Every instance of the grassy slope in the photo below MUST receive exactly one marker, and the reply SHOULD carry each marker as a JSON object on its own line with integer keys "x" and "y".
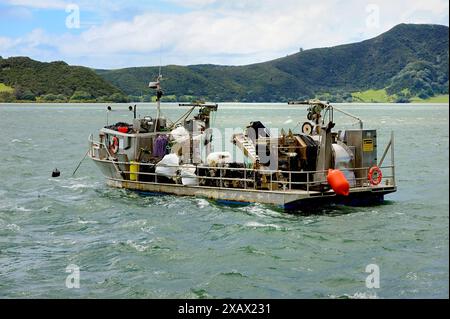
{"x": 5, "y": 88}
{"x": 443, "y": 98}
{"x": 372, "y": 96}
{"x": 381, "y": 96}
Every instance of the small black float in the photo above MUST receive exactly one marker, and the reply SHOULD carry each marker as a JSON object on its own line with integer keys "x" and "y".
{"x": 56, "y": 173}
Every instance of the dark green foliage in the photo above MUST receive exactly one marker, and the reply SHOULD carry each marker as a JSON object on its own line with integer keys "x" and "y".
{"x": 23, "y": 94}
{"x": 80, "y": 95}
{"x": 118, "y": 98}
{"x": 33, "y": 79}
{"x": 49, "y": 97}
{"x": 402, "y": 99}
{"x": 423, "y": 79}
{"x": 386, "y": 61}
{"x": 7, "y": 97}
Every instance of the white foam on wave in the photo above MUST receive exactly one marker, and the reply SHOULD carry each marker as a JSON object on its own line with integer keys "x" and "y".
{"x": 202, "y": 203}
{"x": 288, "y": 121}
{"x": 358, "y": 295}
{"x": 139, "y": 223}
{"x": 309, "y": 220}
{"x": 16, "y": 140}
{"x": 261, "y": 211}
{"x": 411, "y": 275}
{"x": 13, "y": 227}
{"x": 78, "y": 186}
{"x": 44, "y": 209}
{"x": 148, "y": 229}
{"x": 137, "y": 246}
{"x": 87, "y": 222}
{"x": 256, "y": 225}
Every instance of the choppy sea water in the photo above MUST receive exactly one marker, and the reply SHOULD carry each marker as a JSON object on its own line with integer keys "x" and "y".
{"x": 132, "y": 246}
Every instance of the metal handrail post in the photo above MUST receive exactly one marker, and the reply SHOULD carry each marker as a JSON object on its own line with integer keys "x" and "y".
{"x": 392, "y": 157}
{"x": 245, "y": 179}
{"x": 290, "y": 180}
{"x": 307, "y": 183}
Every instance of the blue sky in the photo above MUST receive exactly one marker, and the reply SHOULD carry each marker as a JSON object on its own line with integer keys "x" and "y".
{"x": 117, "y": 33}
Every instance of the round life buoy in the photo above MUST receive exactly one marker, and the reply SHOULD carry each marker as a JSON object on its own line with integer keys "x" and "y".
{"x": 114, "y": 146}
{"x": 375, "y": 175}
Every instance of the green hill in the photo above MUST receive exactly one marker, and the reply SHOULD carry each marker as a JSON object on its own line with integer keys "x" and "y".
{"x": 409, "y": 61}
{"x": 30, "y": 80}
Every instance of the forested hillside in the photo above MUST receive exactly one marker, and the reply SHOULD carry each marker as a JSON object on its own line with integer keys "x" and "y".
{"x": 405, "y": 62}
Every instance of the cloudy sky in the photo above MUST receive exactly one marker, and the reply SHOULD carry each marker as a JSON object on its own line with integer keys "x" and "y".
{"x": 119, "y": 33}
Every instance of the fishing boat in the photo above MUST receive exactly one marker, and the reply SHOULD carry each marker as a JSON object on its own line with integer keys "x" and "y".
{"x": 293, "y": 170}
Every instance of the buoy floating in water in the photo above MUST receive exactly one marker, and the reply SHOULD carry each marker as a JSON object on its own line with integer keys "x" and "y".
{"x": 56, "y": 173}
{"x": 338, "y": 182}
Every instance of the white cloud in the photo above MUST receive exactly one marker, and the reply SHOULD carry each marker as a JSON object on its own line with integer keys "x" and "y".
{"x": 40, "y": 4}
{"x": 35, "y": 44}
{"x": 265, "y": 32}
{"x": 228, "y": 32}
{"x": 193, "y": 3}
{"x": 5, "y": 43}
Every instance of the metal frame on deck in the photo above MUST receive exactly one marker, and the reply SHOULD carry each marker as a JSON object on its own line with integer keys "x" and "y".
{"x": 250, "y": 175}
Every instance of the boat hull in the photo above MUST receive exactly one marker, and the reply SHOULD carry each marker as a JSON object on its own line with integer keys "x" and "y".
{"x": 288, "y": 200}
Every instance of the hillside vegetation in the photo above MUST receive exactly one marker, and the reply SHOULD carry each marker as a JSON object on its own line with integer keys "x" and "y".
{"x": 31, "y": 80}
{"x": 407, "y": 61}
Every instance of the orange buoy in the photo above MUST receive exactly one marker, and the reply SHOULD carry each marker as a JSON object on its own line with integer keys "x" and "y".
{"x": 338, "y": 182}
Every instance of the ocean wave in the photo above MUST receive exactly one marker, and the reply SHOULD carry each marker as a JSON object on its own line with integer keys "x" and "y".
{"x": 78, "y": 186}
{"x": 138, "y": 247}
{"x": 202, "y": 203}
{"x": 87, "y": 222}
{"x": 148, "y": 229}
{"x": 22, "y": 209}
{"x": 12, "y": 227}
{"x": 262, "y": 211}
{"x": 252, "y": 250}
{"x": 257, "y": 225}
{"x": 357, "y": 295}
{"x": 139, "y": 223}
{"x": 233, "y": 273}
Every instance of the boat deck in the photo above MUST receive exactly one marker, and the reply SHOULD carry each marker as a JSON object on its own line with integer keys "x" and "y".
{"x": 286, "y": 189}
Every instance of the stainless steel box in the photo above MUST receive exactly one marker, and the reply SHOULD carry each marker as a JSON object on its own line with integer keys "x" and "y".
{"x": 365, "y": 146}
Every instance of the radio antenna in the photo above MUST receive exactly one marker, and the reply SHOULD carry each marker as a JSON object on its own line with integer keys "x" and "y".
{"x": 156, "y": 85}
{"x": 160, "y": 59}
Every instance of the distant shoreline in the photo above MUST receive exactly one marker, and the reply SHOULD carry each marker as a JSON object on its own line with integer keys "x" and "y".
{"x": 369, "y": 99}
{"x": 249, "y": 103}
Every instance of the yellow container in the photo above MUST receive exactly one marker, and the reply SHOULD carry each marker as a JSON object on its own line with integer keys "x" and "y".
{"x": 134, "y": 170}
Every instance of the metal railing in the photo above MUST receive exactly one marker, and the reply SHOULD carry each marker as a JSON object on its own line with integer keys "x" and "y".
{"x": 248, "y": 178}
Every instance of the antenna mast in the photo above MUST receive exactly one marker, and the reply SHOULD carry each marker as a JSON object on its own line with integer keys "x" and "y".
{"x": 159, "y": 93}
